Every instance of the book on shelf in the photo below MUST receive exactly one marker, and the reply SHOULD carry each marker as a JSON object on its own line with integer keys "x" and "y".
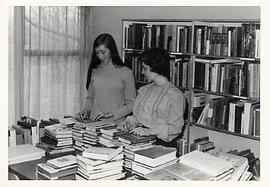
{"x": 102, "y": 153}
{"x": 155, "y": 156}
{"x": 202, "y": 161}
{"x": 227, "y": 39}
{"x": 24, "y": 153}
{"x": 230, "y": 114}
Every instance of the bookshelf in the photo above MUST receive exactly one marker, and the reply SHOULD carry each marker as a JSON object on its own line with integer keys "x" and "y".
{"x": 215, "y": 60}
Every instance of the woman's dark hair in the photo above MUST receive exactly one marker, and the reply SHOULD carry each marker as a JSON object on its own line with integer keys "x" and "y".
{"x": 108, "y": 41}
{"x": 159, "y": 61}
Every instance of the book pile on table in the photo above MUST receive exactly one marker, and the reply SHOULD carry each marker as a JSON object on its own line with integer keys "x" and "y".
{"x": 61, "y": 168}
{"x": 132, "y": 143}
{"x": 78, "y": 131}
{"x": 92, "y": 132}
{"x": 202, "y": 144}
{"x": 195, "y": 165}
{"x": 109, "y": 136}
{"x": 57, "y": 140}
{"x": 153, "y": 158}
{"x": 100, "y": 163}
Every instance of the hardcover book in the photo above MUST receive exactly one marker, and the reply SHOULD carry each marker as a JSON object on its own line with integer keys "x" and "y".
{"x": 101, "y": 153}
{"x": 52, "y": 172}
{"x": 155, "y": 156}
{"x": 135, "y": 139}
{"x": 63, "y": 161}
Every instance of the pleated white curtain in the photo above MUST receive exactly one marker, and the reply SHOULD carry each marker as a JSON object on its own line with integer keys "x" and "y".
{"x": 47, "y": 61}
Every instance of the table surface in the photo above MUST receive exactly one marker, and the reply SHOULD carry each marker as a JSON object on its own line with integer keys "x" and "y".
{"x": 26, "y": 170}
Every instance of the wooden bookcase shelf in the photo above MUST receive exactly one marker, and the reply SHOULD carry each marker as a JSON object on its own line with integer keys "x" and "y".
{"x": 226, "y": 95}
{"x": 226, "y": 132}
{"x": 187, "y": 41}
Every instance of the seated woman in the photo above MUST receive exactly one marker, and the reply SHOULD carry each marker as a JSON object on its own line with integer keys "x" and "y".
{"x": 159, "y": 106}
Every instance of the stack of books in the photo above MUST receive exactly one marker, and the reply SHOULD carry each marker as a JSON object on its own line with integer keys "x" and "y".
{"x": 202, "y": 144}
{"x": 132, "y": 143}
{"x": 78, "y": 131}
{"x": 153, "y": 158}
{"x": 195, "y": 165}
{"x": 92, "y": 132}
{"x": 61, "y": 168}
{"x": 57, "y": 140}
{"x": 109, "y": 136}
{"x": 23, "y": 153}
{"x": 100, "y": 163}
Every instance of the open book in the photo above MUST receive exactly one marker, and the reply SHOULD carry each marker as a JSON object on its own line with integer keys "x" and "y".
{"x": 206, "y": 162}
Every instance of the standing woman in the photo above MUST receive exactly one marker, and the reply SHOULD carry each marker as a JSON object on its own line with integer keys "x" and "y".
{"x": 110, "y": 84}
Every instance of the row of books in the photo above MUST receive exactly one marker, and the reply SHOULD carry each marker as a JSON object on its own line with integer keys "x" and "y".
{"x": 202, "y": 144}
{"x": 238, "y": 39}
{"x": 133, "y": 61}
{"x": 221, "y": 39}
{"x": 179, "y": 72}
{"x": 234, "y": 115}
{"x": 227, "y": 76}
{"x": 175, "y": 38}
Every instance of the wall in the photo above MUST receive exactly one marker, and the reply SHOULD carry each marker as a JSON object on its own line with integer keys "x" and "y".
{"x": 109, "y": 19}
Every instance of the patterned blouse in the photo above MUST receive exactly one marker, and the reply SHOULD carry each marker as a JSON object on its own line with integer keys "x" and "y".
{"x": 161, "y": 109}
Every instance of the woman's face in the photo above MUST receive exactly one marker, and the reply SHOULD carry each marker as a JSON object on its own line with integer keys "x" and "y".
{"x": 103, "y": 53}
{"x": 148, "y": 74}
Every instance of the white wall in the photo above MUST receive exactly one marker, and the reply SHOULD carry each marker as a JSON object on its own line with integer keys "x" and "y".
{"x": 109, "y": 20}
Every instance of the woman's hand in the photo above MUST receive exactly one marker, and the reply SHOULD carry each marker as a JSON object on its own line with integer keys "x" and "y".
{"x": 141, "y": 131}
{"x": 83, "y": 115}
{"x": 125, "y": 126}
{"x": 101, "y": 115}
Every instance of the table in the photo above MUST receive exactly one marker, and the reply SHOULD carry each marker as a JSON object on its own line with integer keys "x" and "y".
{"x": 26, "y": 170}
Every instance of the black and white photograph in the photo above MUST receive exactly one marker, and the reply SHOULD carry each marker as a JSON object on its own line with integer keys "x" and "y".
{"x": 135, "y": 93}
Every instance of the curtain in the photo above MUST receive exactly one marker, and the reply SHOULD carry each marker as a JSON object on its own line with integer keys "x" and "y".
{"x": 48, "y": 61}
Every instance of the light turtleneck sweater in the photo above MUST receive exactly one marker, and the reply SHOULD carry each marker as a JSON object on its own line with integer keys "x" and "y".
{"x": 112, "y": 90}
